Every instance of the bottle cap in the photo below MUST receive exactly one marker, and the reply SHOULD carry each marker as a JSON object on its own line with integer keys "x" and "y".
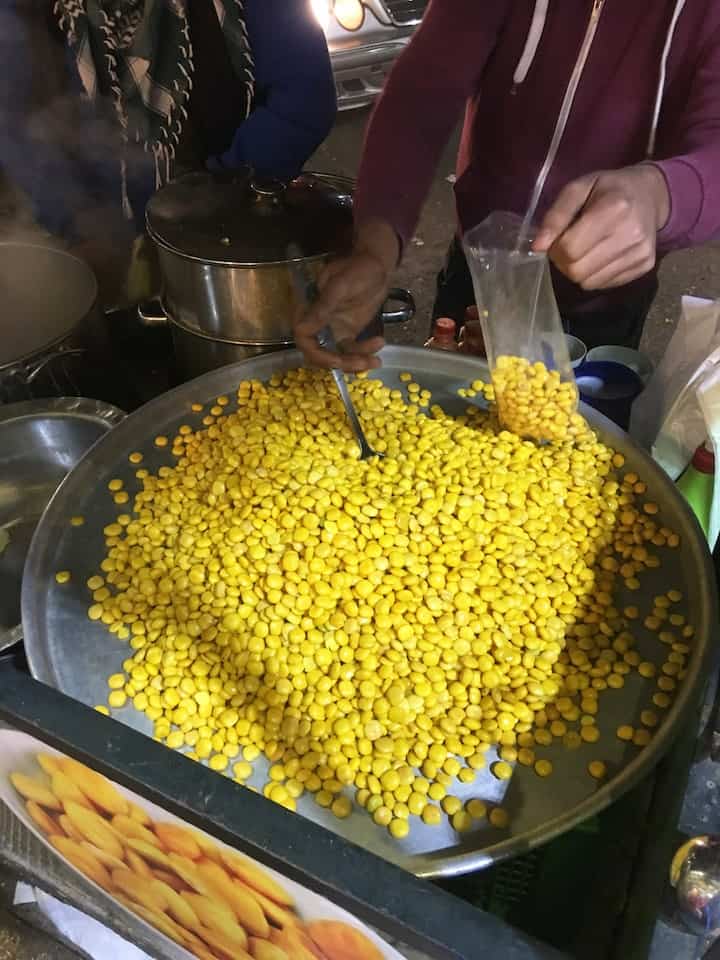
{"x": 704, "y": 460}
{"x": 445, "y": 327}
{"x": 472, "y": 313}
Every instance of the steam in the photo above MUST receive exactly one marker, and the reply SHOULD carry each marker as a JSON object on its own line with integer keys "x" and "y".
{"x": 56, "y": 148}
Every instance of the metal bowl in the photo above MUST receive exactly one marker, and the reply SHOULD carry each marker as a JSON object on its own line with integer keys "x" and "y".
{"x": 40, "y": 441}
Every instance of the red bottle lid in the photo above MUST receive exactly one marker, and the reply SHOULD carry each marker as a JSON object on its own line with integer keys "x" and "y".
{"x": 444, "y": 327}
{"x": 703, "y": 460}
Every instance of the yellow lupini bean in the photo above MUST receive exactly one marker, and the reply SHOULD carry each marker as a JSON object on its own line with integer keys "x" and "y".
{"x": 476, "y": 808}
{"x": 342, "y": 807}
{"x": 461, "y": 821}
{"x": 501, "y": 770}
{"x": 543, "y": 768}
{"x": 499, "y": 818}
{"x": 432, "y": 815}
{"x": 597, "y": 769}
{"x": 372, "y": 624}
{"x": 642, "y": 737}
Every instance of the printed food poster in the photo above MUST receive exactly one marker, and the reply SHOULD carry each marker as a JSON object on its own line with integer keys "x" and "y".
{"x": 210, "y": 900}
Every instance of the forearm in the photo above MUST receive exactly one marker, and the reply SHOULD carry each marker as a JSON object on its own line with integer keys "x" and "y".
{"x": 379, "y": 239}
{"x": 422, "y": 102}
{"x": 274, "y": 145}
{"x": 693, "y": 188}
{"x": 691, "y": 160}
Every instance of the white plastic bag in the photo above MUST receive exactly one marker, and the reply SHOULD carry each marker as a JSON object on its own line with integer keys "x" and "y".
{"x": 666, "y": 417}
{"x": 680, "y": 409}
{"x": 685, "y": 426}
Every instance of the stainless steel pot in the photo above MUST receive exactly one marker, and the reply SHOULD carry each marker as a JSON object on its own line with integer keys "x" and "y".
{"x": 40, "y": 441}
{"x": 49, "y": 318}
{"x": 222, "y": 242}
{"x": 196, "y": 354}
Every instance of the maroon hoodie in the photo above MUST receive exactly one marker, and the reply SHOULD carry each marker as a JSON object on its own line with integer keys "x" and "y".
{"x": 508, "y": 63}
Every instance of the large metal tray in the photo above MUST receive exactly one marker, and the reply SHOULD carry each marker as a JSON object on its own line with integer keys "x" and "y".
{"x": 67, "y": 650}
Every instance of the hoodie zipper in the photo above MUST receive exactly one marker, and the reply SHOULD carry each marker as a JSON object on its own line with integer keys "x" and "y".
{"x": 566, "y": 107}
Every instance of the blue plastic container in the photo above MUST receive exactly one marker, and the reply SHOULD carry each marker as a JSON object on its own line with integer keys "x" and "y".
{"x": 610, "y": 388}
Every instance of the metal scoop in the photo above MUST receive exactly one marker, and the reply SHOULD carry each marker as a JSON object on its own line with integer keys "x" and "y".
{"x": 306, "y": 289}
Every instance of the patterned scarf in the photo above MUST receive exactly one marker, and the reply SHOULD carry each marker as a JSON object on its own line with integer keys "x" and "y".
{"x": 139, "y": 52}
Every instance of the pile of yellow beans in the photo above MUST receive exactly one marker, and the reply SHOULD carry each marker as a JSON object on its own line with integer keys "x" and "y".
{"x": 535, "y": 402}
{"x": 375, "y": 624}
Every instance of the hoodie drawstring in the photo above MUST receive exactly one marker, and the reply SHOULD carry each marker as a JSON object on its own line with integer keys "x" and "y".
{"x": 534, "y": 36}
{"x": 537, "y": 25}
{"x": 679, "y": 6}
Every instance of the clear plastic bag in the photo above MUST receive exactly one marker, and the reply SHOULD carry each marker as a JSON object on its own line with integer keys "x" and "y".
{"x": 666, "y": 418}
{"x": 535, "y": 388}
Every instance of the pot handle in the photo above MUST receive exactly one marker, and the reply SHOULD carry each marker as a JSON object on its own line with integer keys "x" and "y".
{"x": 33, "y": 371}
{"x": 405, "y": 313}
{"x": 152, "y": 314}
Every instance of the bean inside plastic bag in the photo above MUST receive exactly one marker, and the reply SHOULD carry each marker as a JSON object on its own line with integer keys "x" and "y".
{"x": 535, "y": 388}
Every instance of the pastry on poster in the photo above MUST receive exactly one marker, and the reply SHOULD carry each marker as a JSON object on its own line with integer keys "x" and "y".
{"x": 212, "y": 901}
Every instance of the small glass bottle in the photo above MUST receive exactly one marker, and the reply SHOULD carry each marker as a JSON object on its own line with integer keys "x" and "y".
{"x": 471, "y": 338}
{"x": 696, "y": 484}
{"x": 443, "y": 335}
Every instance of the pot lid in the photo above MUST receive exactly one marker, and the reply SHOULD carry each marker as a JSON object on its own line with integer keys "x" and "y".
{"x": 45, "y": 293}
{"x": 238, "y": 218}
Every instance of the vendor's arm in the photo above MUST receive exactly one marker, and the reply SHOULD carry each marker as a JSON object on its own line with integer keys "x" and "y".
{"x": 295, "y": 91}
{"x": 693, "y": 173}
{"x": 418, "y": 110}
{"x": 605, "y": 230}
{"x": 422, "y": 102}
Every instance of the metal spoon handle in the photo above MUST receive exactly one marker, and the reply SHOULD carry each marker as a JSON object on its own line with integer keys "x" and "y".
{"x": 306, "y": 289}
{"x": 326, "y": 339}
{"x": 365, "y": 448}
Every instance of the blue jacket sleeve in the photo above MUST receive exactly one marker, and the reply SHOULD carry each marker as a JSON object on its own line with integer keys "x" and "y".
{"x": 295, "y": 101}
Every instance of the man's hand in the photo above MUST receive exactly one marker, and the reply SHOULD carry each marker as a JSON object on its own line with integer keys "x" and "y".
{"x": 601, "y": 231}
{"x": 351, "y": 291}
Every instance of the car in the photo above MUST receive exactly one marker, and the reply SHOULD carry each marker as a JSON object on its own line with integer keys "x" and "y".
{"x": 365, "y": 37}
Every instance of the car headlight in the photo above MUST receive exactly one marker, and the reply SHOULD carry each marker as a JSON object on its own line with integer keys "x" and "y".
{"x": 321, "y": 10}
{"x": 350, "y": 14}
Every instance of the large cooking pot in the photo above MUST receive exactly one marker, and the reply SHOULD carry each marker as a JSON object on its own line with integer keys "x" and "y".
{"x": 222, "y": 244}
{"x": 49, "y": 321}
{"x": 196, "y": 353}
